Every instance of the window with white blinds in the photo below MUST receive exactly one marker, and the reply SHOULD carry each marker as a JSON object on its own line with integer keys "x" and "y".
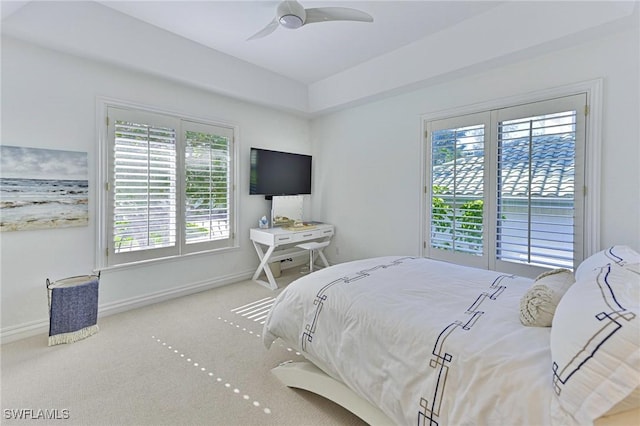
{"x": 143, "y": 187}
{"x": 458, "y": 188}
{"x": 505, "y": 186}
{"x": 170, "y": 186}
{"x": 536, "y": 189}
{"x": 208, "y": 187}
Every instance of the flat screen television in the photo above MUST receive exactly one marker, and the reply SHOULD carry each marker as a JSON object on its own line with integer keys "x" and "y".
{"x": 279, "y": 173}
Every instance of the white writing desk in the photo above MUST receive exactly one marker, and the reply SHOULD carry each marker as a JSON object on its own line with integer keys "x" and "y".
{"x": 284, "y": 240}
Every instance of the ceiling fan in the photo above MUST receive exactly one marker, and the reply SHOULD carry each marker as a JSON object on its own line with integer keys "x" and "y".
{"x": 291, "y": 14}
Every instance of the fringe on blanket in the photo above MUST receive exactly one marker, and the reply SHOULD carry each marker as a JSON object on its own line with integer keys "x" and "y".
{"x": 74, "y": 336}
{"x": 73, "y": 308}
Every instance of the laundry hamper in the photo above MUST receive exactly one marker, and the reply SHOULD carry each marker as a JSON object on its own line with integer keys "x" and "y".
{"x": 73, "y": 308}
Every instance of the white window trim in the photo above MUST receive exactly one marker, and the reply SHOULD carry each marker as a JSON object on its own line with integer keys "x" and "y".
{"x": 102, "y": 177}
{"x": 593, "y": 150}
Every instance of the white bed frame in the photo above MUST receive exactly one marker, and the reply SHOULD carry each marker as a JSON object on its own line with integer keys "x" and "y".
{"x": 305, "y": 375}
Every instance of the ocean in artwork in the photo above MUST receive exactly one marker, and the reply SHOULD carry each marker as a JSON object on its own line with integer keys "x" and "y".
{"x": 52, "y": 191}
{"x": 37, "y": 203}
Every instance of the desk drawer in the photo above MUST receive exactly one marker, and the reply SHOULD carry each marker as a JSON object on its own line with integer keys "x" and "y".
{"x": 286, "y": 239}
{"x": 311, "y": 234}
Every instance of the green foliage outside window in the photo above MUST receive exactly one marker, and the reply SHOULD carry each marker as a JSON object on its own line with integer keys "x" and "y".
{"x": 468, "y": 217}
{"x": 472, "y": 221}
{"x": 441, "y": 212}
{"x": 206, "y": 183}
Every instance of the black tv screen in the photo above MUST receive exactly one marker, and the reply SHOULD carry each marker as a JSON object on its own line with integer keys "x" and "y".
{"x": 279, "y": 173}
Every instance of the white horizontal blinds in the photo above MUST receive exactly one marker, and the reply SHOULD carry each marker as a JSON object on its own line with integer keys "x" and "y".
{"x": 207, "y": 183}
{"x": 170, "y": 185}
{"x": 143, "y": 186}
{"x": 457, "y": 188}
{"x": 537, "y": 201}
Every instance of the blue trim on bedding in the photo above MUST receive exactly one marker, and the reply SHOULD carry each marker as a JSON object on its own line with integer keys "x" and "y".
{"x": 561, "y": 376}
{"x": 429, "y": 412}
{"x": 321, "y": 296}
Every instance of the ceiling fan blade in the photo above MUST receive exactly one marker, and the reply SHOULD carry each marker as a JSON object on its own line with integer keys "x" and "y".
{"x": 323, "y": 14}
{"x": 271, "y": 27}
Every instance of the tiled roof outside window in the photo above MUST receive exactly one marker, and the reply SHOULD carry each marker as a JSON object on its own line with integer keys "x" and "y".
{"x": 552, "y": 169}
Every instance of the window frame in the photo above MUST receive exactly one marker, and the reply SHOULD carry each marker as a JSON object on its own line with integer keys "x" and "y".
{"x": 216, "y": 244}
{"x": 591, "y": 192}
{"x": 482, "y": 117}
{"x": 548, "y": 106}
{"x": 103, "y": 212}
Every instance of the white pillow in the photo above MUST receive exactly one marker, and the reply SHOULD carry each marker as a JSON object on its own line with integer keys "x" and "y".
{"x": 618, "y": 255}
{"x": 595, "y": 345}
{"x": 538, "y": 304}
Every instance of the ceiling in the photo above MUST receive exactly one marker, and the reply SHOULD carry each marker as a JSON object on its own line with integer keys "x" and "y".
{"x": 314, "y": 68}
{"x": 310, "y": 53}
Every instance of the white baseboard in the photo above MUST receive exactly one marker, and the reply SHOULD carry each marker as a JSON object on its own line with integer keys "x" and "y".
{"x": 22, "y": 331}
{"x": 33, "y": 328}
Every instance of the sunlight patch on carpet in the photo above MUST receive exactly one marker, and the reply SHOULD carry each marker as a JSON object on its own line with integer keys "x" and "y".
{"x": 255, "y": 311}
{"x": 204, "y": 370}
{"x": 238, "y": 326}
{"x": 246, "y": 330}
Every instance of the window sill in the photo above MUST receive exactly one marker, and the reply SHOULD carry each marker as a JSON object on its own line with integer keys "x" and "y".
{"x": 166, "y": 259}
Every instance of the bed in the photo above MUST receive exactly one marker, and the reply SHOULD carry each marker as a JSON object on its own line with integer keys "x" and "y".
{"x": 405, "y": 340}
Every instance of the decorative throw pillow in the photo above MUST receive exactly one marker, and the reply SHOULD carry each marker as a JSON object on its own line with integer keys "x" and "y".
{"x": 617, "y": 255}
{"x": 595, "y": 347}
{"x": 539, "y": 303}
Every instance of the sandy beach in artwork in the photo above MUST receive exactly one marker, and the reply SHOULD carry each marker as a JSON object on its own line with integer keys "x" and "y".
{"x": 42, "y": 224}
{"x": 27, "y": 204}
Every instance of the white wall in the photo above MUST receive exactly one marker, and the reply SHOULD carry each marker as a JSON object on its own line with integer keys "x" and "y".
{"x": 49, "y": 101}
{"x": 370, "y": 182}
{"x": 499, "y": 33}
{"x": 367, "y": 177}
{"x": 92, "y": 30}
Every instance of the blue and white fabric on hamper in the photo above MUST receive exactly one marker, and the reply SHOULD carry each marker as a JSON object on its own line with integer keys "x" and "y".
{"x": 73, "y": 309}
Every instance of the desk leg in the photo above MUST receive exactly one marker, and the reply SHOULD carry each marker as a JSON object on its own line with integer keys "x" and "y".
{"x": 264, "y": 266}
{"x": 324, "y": 259}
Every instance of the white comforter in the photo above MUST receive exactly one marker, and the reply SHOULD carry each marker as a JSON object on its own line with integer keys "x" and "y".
{"x": 428, "y": 342}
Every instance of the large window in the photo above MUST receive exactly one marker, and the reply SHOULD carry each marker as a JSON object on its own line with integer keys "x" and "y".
{"x": 506, "y": 186}
{"x": 169, "y": 186}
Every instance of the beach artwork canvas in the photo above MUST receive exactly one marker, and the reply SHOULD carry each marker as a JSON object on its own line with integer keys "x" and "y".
{"x": 42, "y": 188}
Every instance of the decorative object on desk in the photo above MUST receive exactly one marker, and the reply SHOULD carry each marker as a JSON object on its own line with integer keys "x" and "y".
{"x": 263, "y": 223}
{"x": 282, "y": 221}
{"x": 73, "y": 308}
{"x": 299, "y": 225}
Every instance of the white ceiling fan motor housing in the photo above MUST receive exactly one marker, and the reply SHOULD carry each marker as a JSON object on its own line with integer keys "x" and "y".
{"x": 291, "y": 14}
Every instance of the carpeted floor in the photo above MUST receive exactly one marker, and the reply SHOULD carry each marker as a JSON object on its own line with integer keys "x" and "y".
{"x": 196, "y": 360}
